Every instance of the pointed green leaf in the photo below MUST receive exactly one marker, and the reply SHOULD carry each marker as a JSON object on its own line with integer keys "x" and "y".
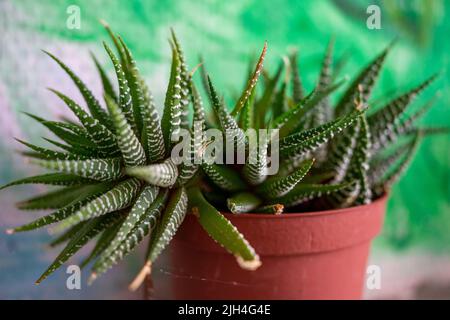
{"x": 97, "y": 169}
{"x": 89, "y": 231}
{"x": 280, "y": 103}
{"x": 160, "y": 174}
{"x": 171, "y": 119}
{"x": 103, "y": 241}
{"x": 243, "y": 202}
{"x": 64, "y": 196}
{"x": 100, "y": 134}
{"x": 224, "y": 177}
{"x": 297, "y": 87}
{"x": 119, "y": 197}
{"x": 396, "y": 107}
{"x": 145, "y": 226}
{"x": 275, "y": 187}
{"x": 172, "y": 218}
{"x": 381, "y": 163}
{"x": 247, "y": 115}
{"x": 138, "y": 211}
{"x": 92, "y": 103}
{"x": 44, "y": 153}
{"x": 306, "y": 192}
{"x": 227, "y": 122}
{"x": 190, "y": 164}
{"x": 366, "y": 79}
{"x": 222, "y": 231}
{"x": 152, "y": 136}
{"x": 132, "y": 151}
{"x": 184, "y": 82}
{"x": 290, "y": 120}
{"x": 263, "y": 104}
{"x": 385, "y": 125}
{"x": 82, "y": 152}
{"x": 69, "y": 133}
{"x": 67, "y": 235}
{"x": 342, "y": 152}
{"x": 136, "y": 89}
{"x": 125, "y": 100}
{"x": 359, "y": 164}
{"x": 255, "y": 168}
{"x": 395, "y": 173}
{"x": 106, "y": 82}
{"x": 55, "y": 179}
{"x": 250, "y": 84}
{"x": 300, "y": 143}
{"x": 54, "y": 217}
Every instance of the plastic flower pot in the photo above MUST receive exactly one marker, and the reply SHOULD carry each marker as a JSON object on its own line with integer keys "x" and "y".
{"x": 319, "y": 255}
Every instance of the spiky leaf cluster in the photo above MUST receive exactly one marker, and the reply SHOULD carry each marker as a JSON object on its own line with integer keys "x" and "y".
{"x": 116, "y": 182}
{"x": 331, "y": 156}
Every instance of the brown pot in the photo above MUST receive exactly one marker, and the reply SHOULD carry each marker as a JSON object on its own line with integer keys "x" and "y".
{"x": 319, "y": 255}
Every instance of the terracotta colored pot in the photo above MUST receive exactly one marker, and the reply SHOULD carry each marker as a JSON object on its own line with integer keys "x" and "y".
{"x": 320, "y": 255}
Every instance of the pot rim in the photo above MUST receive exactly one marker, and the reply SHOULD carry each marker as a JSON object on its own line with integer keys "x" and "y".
{"x": 302, "y": 214}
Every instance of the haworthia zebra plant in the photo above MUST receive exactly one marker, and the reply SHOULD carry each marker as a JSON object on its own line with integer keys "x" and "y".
{"x": 117, "y": 182}
{"x": 369, "y": 150}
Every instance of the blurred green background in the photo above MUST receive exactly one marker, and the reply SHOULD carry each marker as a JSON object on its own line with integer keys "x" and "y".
{"x": 226, "y": 34}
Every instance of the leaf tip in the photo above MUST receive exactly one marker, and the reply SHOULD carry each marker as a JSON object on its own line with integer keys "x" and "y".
{"x": 145, "y": 271}
{"x": 92, "y": 278}
{"x": 103, "y": 23}
{"x": 195, "y": 212}
{"x": 250, "y": 265}
{"x": 279, "y": 208}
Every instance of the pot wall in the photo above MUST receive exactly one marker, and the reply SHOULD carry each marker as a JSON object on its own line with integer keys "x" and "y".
{"x": 320, "y": 255}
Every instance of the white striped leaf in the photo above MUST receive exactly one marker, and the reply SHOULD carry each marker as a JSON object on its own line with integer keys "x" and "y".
{"x": 97, "y": 169}
{"x": 297, "y": 87}
{"x": 160, "y": 174}
{"x": 243, "y": 202}
{"x": 63, "y": 196}
{"x": 55, "y": 179}
{"x": 106, "y": 82}
{"x": 306, "y": 192}
{"x": 142, "y": 228}
{"x": 366, "y": 79}
{"x": 275, "y": 187}
{"x": 48, "y": 154}
{"x": 189, "y": 166}
{"x": 171, "y": 119}
{"x": 228, "y": 124}
{"x": 300, "y": 143}
{"x": 87, "y": 232}
{"x": 185, "y": 80}
{"x": 242, "y": 101}
{"x": 135, "y": 84}
{"x": 132, "y": 151}
{"x": 152, "y": 136}
{"x": 139, "y": 209}
{"x": 172, "y": 218}
{"x": 125, "y": 100}
{"x": 92, "y": 103}
{"x": 224, "y": 177}
{"x": 359, "y": 164}
{"x": 119, "y": 197}
{"x": 102, "y": 137}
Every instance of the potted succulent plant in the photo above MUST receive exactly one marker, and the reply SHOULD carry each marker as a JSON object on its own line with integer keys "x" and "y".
{"x": 301, "y": 232}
